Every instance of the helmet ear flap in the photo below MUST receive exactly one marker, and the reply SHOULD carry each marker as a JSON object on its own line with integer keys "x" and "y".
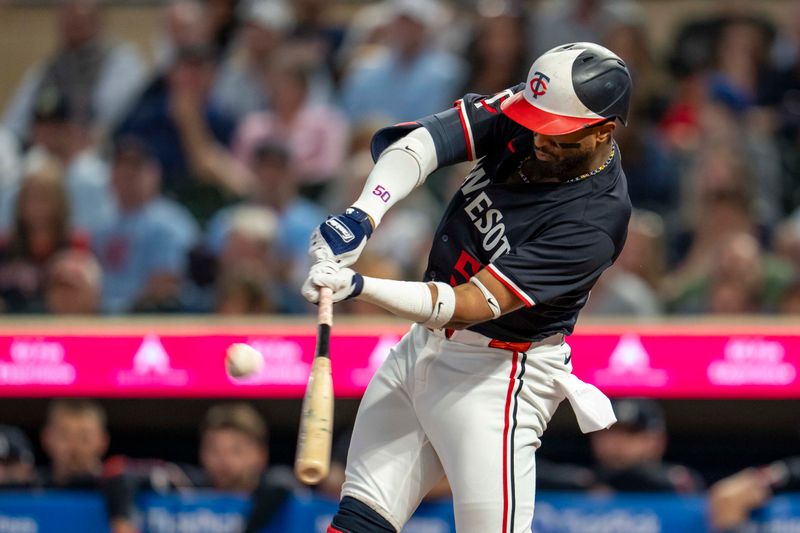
{"x": 602, "y": 82}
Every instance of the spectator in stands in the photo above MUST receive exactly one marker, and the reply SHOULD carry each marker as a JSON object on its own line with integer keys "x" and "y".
{"x": 732, "y": 499}
{"x": 790, "y": 301}
{"x": 630, "y": 455}
{"x": 277, "y": 189}
{"x": 629, "y": 286}
{"x": 741, "y": 278}
{"x": 143, "y": 253}
{"x": 40, "y": 230}
{"x": 16, "y": 459}
{"x": 242, "y": 292}
{"x": 651, "y": 169}
{"x": 741, "y": 62}
{"x": 628, "y": 38}
{"x": 222, "y": 17}
{"x": 244, "y": 272}
{"x": 316, "y": 37}
{"x": 75, "y": 440}
{"x": 363, "y": 35}
{"x": 234, "y": 457}
{"x": 74, "y": 284}
{"x": 66, "y": 135}
{"x": 93, "y": 72}
{"x": 10, "y": 161}
{"x": 248, "y": 260}
{"x": 554, "y": 23}
{"x": 710, "y": 143}
{"x": 786, "y": 240}
{"x": 410, "y": 78}
{"x": 316, "y": 135}
{"x": 652, "y": 172}
{"x": 187, "y": 134}
{"x": 781, "y": 100}
{"x": 717, "y": 202}
{"x": 551, "y": 475}
{"x": 239, "y": 88}
{"x": 786, "y": 45}
{"x": 186, "y": 25}
{"x": 497, "y": 56}
{"x": 233, "y": 447}
{"x": 234, "y": 454}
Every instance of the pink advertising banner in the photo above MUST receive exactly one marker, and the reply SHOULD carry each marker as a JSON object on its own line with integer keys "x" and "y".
{"x": 150, "y": 360}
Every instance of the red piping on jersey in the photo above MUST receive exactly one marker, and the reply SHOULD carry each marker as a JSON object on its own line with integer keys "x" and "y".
{"x": 464, "y": 127}
{"x": 506, "y": 444}
{"x": 332, "y": 530}
{"x": 511, "y": 148}
{"x": 488, "y": 108}
{"x": 509, "y": 286}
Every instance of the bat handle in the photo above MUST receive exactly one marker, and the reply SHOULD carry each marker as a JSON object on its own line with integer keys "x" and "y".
{"x": 325, "y": 311}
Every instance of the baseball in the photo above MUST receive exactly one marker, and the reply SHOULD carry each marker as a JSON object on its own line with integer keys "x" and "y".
{"x": 242, "y": 360}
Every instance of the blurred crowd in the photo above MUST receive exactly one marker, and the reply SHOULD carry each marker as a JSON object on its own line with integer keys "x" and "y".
{"x": 234, "y": 458}
{"x": 187, "y": 177}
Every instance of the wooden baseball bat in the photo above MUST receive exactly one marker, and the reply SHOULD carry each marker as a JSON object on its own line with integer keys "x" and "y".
{"x": 313, "y": 459}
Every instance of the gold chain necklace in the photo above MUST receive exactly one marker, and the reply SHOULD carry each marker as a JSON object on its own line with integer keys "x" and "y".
{"x": 602, "y": 167}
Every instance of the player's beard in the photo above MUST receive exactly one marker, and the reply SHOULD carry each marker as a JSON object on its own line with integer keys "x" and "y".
{"x": 562, "y": 169}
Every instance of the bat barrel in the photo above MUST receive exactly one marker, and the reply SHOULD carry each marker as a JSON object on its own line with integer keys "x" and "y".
{"x": 316, "y": 425}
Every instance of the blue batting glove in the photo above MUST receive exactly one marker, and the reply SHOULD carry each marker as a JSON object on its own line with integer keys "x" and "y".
{"x": 341, "y": 238}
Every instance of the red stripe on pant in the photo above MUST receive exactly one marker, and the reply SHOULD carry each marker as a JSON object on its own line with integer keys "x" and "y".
{"x": 506, "y": 444}
{"x": 331, "y": 529}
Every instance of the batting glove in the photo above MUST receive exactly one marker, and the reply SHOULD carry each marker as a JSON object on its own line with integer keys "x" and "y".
{"x": 344, "y": 282}
{"x": 341, "y": 238}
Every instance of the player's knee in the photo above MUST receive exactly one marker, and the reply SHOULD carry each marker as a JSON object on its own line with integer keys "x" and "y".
{"x": 354, "y": 516}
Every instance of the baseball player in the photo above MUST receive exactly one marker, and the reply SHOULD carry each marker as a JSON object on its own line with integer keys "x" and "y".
{"x": 469, "y": 390}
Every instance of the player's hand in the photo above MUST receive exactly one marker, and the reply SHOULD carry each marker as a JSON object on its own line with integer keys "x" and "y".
{"x": 344, "y": 282}
{"x": 341, "y": 238}
{"x": 732, "y": 499}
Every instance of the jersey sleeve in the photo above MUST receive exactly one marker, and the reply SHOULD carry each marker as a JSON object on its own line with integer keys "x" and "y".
{"x": 563, "y": 260}
{"x": 465, "y": 132}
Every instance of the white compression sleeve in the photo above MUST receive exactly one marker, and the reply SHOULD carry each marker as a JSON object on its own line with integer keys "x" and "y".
{"x": 411, "y": 300}
{"x": 401, "y": 168}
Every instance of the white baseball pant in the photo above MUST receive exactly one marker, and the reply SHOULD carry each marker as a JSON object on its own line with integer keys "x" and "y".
{"x": 457, "y": 407}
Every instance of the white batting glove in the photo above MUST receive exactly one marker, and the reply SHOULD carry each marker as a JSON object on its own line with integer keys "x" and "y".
{"x": 344, "y": 282}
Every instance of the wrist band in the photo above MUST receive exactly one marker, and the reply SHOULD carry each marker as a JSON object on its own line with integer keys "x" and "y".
{"x": 443, "y": 308}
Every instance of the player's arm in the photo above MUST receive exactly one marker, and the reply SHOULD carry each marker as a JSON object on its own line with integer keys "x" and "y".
{"x": 482, "y": 298}
{"x": 401, "y": 168}
{"x": 405, "y": 154}
{"x": 566, "y": 259}
{"x": 433, "y": 304}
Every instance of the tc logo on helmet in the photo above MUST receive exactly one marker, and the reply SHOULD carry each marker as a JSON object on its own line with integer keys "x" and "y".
{"x": 539, "y": 84}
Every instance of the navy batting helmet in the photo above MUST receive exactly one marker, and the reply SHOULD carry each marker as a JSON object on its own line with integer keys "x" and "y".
{"x": 570, "y": 87}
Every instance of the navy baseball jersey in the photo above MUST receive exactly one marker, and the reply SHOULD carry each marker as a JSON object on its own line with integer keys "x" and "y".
{"x": 546, "y": 242}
